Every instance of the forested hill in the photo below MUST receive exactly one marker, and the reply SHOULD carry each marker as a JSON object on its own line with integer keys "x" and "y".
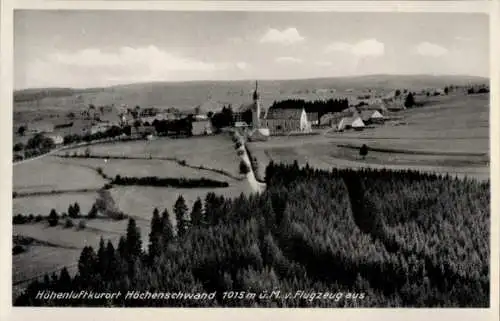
{"x": 380, "y": 238}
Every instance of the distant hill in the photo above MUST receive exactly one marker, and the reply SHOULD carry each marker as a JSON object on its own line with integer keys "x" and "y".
{"x": 211, "y": 95}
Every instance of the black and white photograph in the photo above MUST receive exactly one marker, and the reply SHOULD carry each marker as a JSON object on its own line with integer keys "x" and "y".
{"x": 250, "y": 159}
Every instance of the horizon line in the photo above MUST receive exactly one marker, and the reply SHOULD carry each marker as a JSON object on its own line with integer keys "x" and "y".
{"x": 249, "y": 79}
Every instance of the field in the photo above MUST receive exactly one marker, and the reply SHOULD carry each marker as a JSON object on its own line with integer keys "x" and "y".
{"x": 144, "y": 167}
{"x": 448, "y": 136}
{"x": 214, "y": 152}
{"x": 47, "y": 174}
{"x": 42, "y": 204}
{"x": 59, "y": 173}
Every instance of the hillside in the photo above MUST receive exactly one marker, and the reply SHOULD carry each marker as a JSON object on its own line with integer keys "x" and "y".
{"x": 212, "y": 94}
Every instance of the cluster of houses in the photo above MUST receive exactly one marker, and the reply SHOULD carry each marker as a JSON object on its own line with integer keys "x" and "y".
{"x": 286, "y": 121}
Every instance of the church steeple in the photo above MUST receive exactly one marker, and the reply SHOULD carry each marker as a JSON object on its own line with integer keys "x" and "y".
{"x": 256, "y": 93}
{"x": 256, "y": 107}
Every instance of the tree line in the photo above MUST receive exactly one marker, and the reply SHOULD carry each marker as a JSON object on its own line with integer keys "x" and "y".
{"x": 402, "y": 238}
{"x": 169, "y": 182}
{"x": 322, "y": 107}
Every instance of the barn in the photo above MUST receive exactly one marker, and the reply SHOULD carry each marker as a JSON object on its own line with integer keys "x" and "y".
{"x": 281, "y": 121}
{"x": 351, "y": 122}
{"x": 372, "y": 117}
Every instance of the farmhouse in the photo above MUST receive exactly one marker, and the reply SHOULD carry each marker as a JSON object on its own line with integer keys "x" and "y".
{"x": 284, "y": 121}
{"x": 148, "y": 112}
{"x": 100, "y": 128}
{"x": 58, "y": 139}
{"x": 39, "y": 128}
{"x": 351, "y": 122}
{"x": 143, "y": 131}
{"x": 202, "y": 127}
{"x": 372, "y": 117}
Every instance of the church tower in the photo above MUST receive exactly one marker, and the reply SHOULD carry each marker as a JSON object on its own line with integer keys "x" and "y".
{"x": 256, "y": 108}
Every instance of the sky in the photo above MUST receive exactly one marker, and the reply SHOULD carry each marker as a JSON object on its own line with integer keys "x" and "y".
{"x": 102, "y": 48}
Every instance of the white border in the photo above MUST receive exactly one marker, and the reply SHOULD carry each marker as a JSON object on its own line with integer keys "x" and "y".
{"x": 6, "y": 36}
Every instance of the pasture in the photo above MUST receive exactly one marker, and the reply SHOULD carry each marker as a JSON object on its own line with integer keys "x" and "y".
{"x": 47, "y": 174}
{"x": 57, "y": 173}
{"x": 450, "y": 135}
{"x": 43, "y": 204}
{"x": 215, "y": 152}
{"x": 143, "y": 168}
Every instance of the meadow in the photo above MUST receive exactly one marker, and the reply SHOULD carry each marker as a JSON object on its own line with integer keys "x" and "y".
{"x": 47, "y": 174}
{"x": 59, "y": 173}
{"x": 214, "y": 152}
{"x": 450, "y": 135}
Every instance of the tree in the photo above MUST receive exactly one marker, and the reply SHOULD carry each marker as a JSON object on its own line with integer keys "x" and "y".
{"x": 197, "y": 213}
{"x": 76, "y": 208}
{"x": 397, "y": 93}
{"x": 53, "y": 218}
{"x": 102, "y": 257}
{"x": 21, "y": 130}
{"x": 363, "y": 151}
{"x": 167, "y": 234}
{"x": 409, "y": 101}
{"x": 133, "y": 239}
{"x": 18, "y": 147}
{"x": 180, "y": 210}
{"x": 87, "y": 266}
{"x": 446, "y": 90}
{"x": 155, "y": 235}
{"x": 93, "y": 211}
{"x": 244, "y": 169}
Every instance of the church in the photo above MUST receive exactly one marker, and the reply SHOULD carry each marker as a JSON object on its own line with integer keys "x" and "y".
{"x": 274, "y": 121}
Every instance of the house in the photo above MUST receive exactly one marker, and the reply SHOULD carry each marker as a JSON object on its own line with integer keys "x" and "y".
{"x": 40, "y": 127}
{"x": 148, "y": 112}
{"x": 202, "y": 127}
{"x": 100, "y": 128}
{"x": 332, "y": 119}
{"x": 144, "y": 131}
{"x": 58, "y": 139}
{"x": 284, "y": 121}
{"x": 313, "y": 118}
{"x": 351, "y": 122}
{"x": 372, "y": 117}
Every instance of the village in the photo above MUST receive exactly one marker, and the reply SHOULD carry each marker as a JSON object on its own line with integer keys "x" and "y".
{"x": 286, "y": 117}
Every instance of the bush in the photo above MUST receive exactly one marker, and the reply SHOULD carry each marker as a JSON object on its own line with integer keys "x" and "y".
{"x": 19, "y": 219}
{"x": 363, "y": 151}
{"x": 53, "y": 218}
{"x": 69, "y": 223}
{"x": 244, "y": 169}
{"x": 38, "y": 218}
{"x": 18, "y": 147}
{"x": 18, "y": 249}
